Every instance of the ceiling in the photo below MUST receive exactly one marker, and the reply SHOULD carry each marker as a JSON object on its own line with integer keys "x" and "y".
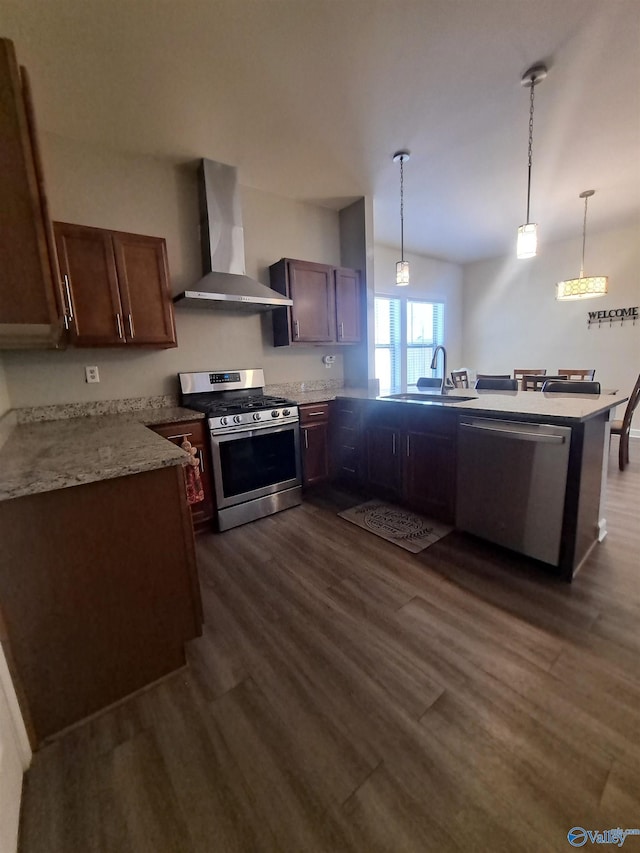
{"x": 310, "y": 98}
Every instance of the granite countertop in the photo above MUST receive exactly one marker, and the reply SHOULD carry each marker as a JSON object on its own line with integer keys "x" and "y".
{"x": 535, "y": 404}
{"x": 49, "y": 455}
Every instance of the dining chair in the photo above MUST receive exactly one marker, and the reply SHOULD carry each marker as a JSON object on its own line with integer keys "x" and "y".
{"x": 577, "y": 374}
{"x": 460, "y": 378}
{"x": 429, "y": 382}
{"x": 565, "y": 386}
{"x": 496, "y": 383}
{"x": 518, "y": 374}
{"x": 535, "y": 381}
{"x": 493, "y": 376}
{"x": 623, "y": 427}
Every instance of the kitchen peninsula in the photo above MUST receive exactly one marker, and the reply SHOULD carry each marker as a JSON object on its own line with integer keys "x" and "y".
{"x": 416, "y": 448}
{"x": 98, "y": 583}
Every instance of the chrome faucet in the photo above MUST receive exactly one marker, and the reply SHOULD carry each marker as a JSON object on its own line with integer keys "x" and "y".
{"x": 434, "y": 361}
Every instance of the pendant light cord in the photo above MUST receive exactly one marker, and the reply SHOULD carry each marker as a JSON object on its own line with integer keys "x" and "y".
{"x": 402, "y": 209}
{"x": 530, "y": 151}
{"x": 584, "y": 235}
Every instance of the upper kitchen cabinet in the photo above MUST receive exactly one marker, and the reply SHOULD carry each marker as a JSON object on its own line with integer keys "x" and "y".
{"x": 118, "y": 287}
{"x": 32, "y": 311}
{"x": 327, "y": 304}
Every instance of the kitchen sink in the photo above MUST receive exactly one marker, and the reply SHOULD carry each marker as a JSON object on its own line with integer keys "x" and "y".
{"x": 428, "y": 398}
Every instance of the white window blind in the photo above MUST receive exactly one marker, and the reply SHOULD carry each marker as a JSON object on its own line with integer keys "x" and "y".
{"x": 406, "y": 333}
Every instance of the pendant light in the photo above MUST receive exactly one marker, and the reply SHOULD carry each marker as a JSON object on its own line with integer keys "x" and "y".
{"x": 402, "y": 266}
{"x": 584, "y": 287}
{"x": 527, "y": 246}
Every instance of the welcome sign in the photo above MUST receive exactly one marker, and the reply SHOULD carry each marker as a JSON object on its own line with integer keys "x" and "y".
{"x": 613, "y": 315}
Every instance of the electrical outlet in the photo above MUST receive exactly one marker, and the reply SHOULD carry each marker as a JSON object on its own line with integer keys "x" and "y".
{"x": 92, "y": 374}
{"x": 328, "y": 360}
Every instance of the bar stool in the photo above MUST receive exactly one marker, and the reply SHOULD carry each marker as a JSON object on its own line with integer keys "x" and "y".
{"x": 520, "y": 374}
{"x": 577, "y": 374}
{"x": 565, "y": 386}
{"x": 429, "y": 382}
{"x": 623, "y": 427}
{"x": 534, "y": 382}
{"x": 496, "y": 383}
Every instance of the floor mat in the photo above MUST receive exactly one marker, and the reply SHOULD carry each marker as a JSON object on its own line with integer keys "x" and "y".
{"x": 409, "y": 530}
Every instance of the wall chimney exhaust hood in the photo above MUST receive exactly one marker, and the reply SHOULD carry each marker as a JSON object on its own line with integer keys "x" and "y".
{"x": 224, "y": 284}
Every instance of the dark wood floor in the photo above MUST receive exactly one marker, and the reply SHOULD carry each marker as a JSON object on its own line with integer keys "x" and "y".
{"x": 349, "y": 696}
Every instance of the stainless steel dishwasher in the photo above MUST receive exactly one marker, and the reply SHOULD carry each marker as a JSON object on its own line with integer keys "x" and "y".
{"x": 512, "y": 480}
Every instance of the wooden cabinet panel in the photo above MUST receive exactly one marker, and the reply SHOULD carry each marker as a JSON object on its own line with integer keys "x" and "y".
{"x": 429, "y": 475}
{"x": 315, "y": 453}
{"x": 118, "y": 285}
{"x": 327, "y": 304}
{"x": 346, "y": 459}
{"x": 397, "y": 451}
{"x": 314, "y": 435}
{"x": 348, "y": 306}
{"x": 143, "y": 276}
{"x": 30, "y": 302}
{"x": 383, "y": 458}
{"x": 312, "y": 313}
{"x": 86, "y": 259}
{"x": 195, "y": 431}
{"x": 107, "y": 596}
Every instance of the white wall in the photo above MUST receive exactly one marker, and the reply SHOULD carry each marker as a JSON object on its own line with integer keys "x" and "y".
{"x": 15, "y": 755}
{"x": 431, "y": 279}
{"x": 511, "y": 318}
{"x": 110, "y": 189}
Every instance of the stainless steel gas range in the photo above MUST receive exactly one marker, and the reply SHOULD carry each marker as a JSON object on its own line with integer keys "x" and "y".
{"x": 255, "y": 443}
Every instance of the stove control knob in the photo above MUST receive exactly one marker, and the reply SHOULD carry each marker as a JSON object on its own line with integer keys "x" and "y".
{"x": 275, "y": 413}
{"x": 256, "y": 416}
{"x": 286, "y": 413}
{"x": 224, "y": 421}
{"x": 237, "y": 419}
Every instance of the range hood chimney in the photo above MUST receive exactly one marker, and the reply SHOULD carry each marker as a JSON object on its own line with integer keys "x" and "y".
{"x": 224, "y": 284}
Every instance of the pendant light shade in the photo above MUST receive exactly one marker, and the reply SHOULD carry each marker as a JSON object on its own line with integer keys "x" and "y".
{"x": 583, "y": 287}
{"x": 402, "y": 266}
{"x": 527, "y": 245}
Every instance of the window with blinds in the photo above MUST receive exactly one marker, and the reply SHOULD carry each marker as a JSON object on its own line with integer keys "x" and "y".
{"x": 406, "y": 334}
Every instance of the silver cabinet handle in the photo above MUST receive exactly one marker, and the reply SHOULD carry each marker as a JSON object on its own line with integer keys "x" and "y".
{"x": 69, "y": 301}
{"x": 119, "y": 322}
{"x": 350, "y": 470}
{"x": 180, "y": 435}
{"x": 296, "y": 329}
{"x": 408, "y": 447}
{"x": 306, "y": 439}
{"x": 341, "y": 331}
{"x": 131, "y": 332}
{"x": 201, "y": 460}
{"x": 313, "y": 414}
{"x": 393, "y": 443}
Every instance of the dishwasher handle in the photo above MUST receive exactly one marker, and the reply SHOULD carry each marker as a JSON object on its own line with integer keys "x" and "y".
{"x": 518, "y": 435}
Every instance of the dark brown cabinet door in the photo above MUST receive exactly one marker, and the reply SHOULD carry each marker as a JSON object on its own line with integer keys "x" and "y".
{"x": 143, "y": 279}
{"x": 118, "y": 286}
{"x": 429, "y": 473}
{"x": 195, "y": 432}
{"x": 348, "y": 306}
{"x": 312, "y": 313}
{"x": 383, "y": 458}
{"x": 346, "y": 440}
{"x": 88, "y": 268}
{"x": 315, "y": 453}
{"x": 30, "y": 303}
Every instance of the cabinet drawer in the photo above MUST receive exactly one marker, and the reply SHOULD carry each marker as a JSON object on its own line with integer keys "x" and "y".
{"x": 313, "y": 413}
{"x": 193, "y": 430}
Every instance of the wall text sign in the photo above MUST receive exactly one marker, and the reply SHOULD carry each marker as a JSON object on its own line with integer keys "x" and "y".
{"x": 614, "y": 315}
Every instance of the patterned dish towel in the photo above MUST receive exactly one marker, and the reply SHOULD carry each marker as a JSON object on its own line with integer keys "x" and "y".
{"x": 195, "y": 492}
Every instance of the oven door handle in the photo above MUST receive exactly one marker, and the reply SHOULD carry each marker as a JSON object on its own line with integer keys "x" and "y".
{"x": 237, "y": 434}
